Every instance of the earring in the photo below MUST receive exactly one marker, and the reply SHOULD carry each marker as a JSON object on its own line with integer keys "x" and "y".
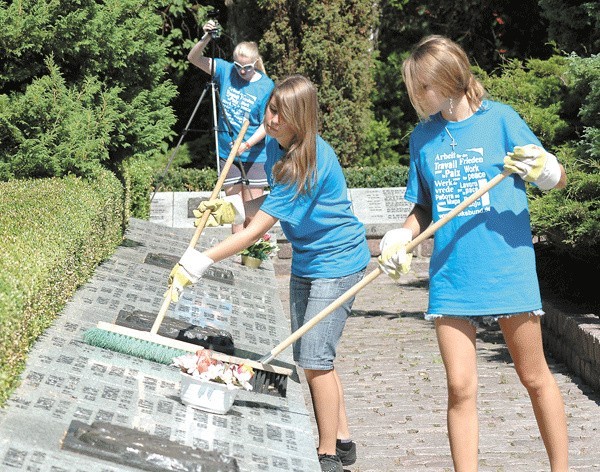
{"x": 451, "y": 108}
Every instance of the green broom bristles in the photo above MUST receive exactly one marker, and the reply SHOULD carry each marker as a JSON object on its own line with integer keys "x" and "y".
{"x": 131, "y": 346}
{"x": 262, "y": 382}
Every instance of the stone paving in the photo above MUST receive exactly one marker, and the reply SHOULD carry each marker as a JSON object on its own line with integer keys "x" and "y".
{"x": 395, "y": 389}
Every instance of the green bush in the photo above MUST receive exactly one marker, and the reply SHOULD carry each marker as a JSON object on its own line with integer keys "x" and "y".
{"x": 376, "y": 177}
{"x": 137, "y": 174}
{"x": 537, "y": 90}
{"x": 187, "y": 180}
{"x": 81, "y": 83}
{"x": 51, "y": 130}
{"x": 54, "y": 232}
{"x": 329, "y": 42}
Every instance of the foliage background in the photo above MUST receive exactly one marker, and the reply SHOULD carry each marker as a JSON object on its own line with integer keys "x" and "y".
{"x": 95, "y": 95}
{"x": 106, "y": 85}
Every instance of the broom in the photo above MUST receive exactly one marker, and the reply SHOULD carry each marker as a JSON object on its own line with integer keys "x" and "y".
{"x": 154, "y": 347}
{"x": 352, "y": 291}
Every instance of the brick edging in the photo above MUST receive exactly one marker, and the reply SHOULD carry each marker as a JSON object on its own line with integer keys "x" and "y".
{"x": 575, "y": 341}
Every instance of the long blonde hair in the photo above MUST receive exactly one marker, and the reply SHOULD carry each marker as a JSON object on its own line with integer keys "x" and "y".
{"x": 249, "y": 49}
{"x": 295, "y": 99}
{"x": 441, "y": 64}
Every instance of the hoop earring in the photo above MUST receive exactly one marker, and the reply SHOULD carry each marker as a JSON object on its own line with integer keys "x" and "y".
{"x": 451, "y": 108}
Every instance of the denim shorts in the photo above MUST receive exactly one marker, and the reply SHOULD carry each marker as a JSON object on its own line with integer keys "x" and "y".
{"x": 484, "y": 320}
{"x": 316, "y": 349}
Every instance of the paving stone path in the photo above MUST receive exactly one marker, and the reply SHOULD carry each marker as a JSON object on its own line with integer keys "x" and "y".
{"x": 396, "y": 394}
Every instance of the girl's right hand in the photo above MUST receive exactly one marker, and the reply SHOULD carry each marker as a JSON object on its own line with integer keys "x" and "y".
{"x": 210, "y": 26}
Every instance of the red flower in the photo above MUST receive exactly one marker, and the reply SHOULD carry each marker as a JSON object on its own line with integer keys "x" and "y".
{"x": 204, "y": 360}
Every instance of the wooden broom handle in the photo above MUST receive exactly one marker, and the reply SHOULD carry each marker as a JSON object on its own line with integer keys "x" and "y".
{"x": 202, "y": 223}
{"x": 431, "y": 229}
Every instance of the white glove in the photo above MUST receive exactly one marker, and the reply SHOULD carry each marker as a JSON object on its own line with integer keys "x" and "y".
{"x": 187, "y": 271}
{"x": 222, "y": 211}
{"x": 534, "y": 164}
{"x": 394, "y": 260}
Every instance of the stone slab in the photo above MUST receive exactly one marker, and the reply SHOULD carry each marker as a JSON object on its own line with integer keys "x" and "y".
{"x": 110, "y": 442}
{"x": 373, "y": 206}
{"x": 379, "y": 209}
{"x": 67, "y": 380}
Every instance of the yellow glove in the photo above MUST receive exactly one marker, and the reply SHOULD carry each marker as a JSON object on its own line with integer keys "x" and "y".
{"x": 394, "y": 260}
{"x": 534, "y": 164}
{"x": 187, "y": 271}
{"x": 178, "y": 279}
{"x": 221, "y": 212}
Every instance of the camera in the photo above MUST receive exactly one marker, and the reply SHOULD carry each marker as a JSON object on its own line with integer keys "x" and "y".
{"x": 215, "y": 33}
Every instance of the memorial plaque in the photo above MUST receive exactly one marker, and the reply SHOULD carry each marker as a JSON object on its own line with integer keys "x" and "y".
{"x": 205, "y": 336}
{"x": 166, "y": 261}
{"x": 193, "y": 203}
{"x": 380, "y": 205}
{"x": 142, "y": 450}
{"x": 219, "y": 275}
{"x": 161, "y": 208}
{"x": 183, "y": 216}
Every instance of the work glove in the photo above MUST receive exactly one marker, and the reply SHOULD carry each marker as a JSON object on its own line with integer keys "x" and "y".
{"x": 223, "y": 211}
{"x": 394, "y": 260}
{"x": 187, "y": 271}
{"x": 534, "y": 165}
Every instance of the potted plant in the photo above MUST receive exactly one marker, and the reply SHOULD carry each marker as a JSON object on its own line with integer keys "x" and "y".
{"x": 208, "y": 384}
{"x": 260, "y": 251}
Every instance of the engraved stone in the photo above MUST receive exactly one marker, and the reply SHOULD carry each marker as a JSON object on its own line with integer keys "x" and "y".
{"x": 135, "y": 448}
{"x": 205, "y": 336}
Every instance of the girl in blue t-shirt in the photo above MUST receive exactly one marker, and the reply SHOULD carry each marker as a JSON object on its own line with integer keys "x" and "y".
{"x": 482, "y": 267}
{"x": 329, "y": 250}
{"x": 244, "y": 89}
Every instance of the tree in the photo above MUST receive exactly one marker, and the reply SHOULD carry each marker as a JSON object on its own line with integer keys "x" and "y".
{"x": 72, "y": 66}
{"x": 331, "y": 43}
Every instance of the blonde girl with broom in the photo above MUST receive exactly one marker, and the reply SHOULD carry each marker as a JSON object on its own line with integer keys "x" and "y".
{"x": 482, "y": 268}
{"x": 329, "y": 250}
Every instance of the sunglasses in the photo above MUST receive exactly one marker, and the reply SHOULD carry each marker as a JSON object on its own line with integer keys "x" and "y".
{"x": 245, "y": 68}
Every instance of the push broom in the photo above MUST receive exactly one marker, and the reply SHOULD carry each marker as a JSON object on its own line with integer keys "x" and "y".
{"x": 352, "y": 291}
{"x": 152, "y": 346}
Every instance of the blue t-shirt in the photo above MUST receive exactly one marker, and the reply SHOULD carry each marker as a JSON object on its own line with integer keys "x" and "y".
{"x": 240, "y": 97}
{"x": 483, "y": 262}
{"x": 327, "y": 239}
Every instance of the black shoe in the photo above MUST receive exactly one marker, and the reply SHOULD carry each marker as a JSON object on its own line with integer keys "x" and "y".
{"x": 330, "y": 463}
{"x": 346, "y": 452}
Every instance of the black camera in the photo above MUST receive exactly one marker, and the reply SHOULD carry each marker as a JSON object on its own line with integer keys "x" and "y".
{"x": 214, "y": 33}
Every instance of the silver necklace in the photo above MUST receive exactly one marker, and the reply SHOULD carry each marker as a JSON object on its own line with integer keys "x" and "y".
{"x": 453, "y": 143}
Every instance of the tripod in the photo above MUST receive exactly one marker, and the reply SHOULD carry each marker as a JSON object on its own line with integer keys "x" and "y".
{"x": 216, "y": 101}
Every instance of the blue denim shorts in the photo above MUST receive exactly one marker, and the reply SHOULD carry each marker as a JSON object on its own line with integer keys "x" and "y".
{"x": 316, "y": 349}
